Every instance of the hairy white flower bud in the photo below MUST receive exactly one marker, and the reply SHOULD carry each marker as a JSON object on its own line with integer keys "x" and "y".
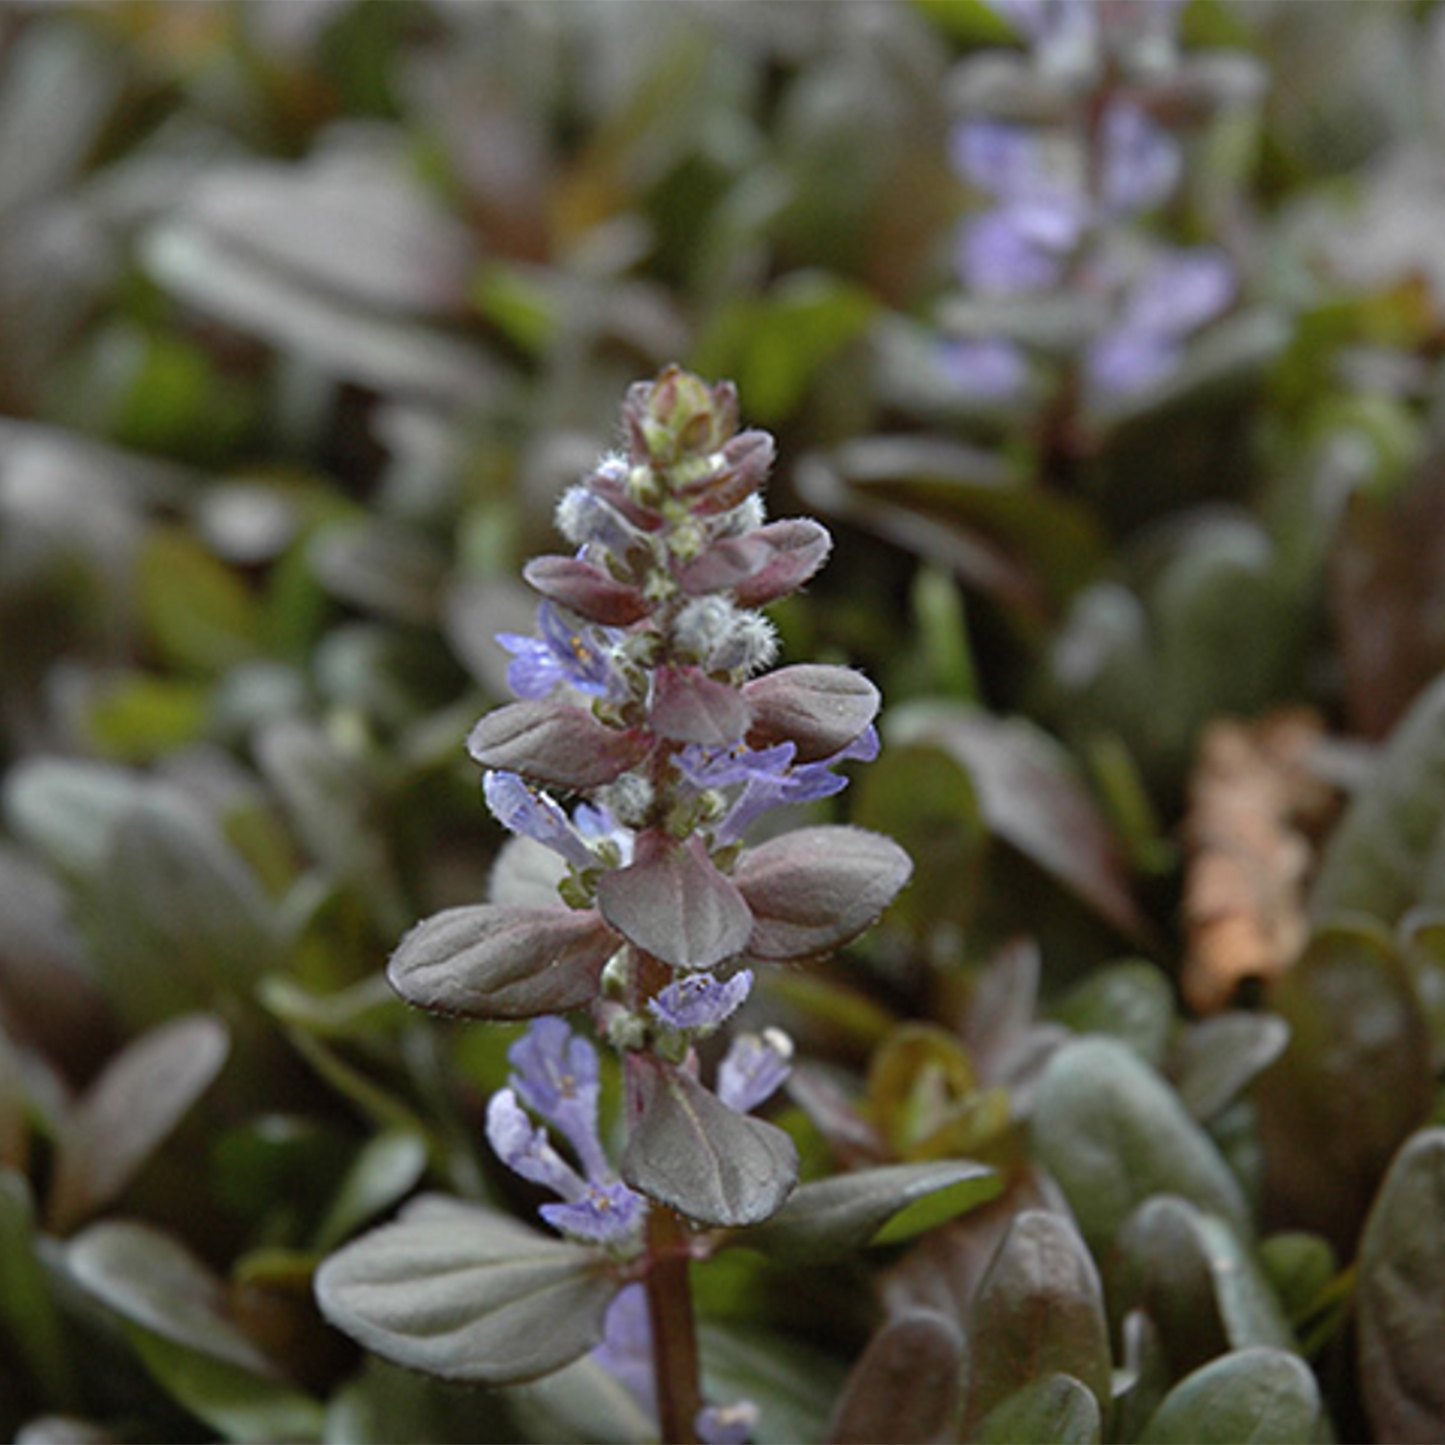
{"x": 750, "y": 646}
{"x": 747, "y": 516}
{"x": 704, "y": 625}
{"x": 629, "y": 799}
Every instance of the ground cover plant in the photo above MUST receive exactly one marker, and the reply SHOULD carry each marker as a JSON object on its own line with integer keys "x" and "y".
{"x": 721, "y": 721}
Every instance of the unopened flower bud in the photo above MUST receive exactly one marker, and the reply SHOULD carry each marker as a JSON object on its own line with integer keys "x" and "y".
{"x": 750, "y": 646}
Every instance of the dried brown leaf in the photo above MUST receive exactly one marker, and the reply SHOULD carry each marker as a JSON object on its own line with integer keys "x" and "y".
{"x": 1254, "y": 806}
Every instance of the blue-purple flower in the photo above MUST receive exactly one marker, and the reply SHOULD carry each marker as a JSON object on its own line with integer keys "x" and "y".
{"x": 590, "y": 838}
{"x": 579, "y": 655}
{"x": 754, "y": 1068}
{"x": 555, "y": 1075}
{"x": 762, "y": 779}
{"x": 626, "y": 1354}
{"x": 1059, "y": 197}
{"x": 1179, "y": 291}
{"x": 699, "y": 1003}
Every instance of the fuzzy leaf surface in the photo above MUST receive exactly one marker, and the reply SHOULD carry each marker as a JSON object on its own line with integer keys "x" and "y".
{"x": 556, "y": 744}
{"x": 674, "y": 904}
{"x": 707, "y": 1161}
{"x": 762, "y": 565}
{"x": 1260, "y": 1396}
{"x": 829, "y": 1218}
{"x": 813, "y": 889}
{"x": 490, "y": 960}
{"x": 905, "y": 1386}
{"x": 1401, "y": 1296}
{"x": 587, "y": 590}
{"x": 688, "y": 706}
{"x": 457, "y": 1290}
{"x": 1039, "y": 1311}
{"x": 1113, "y": 1133}
{"x": 819, "y": 708}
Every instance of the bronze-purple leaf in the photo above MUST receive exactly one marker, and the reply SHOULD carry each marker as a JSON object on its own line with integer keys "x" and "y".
{"x": 747, "y": 459}
{"x": 1031, "y": 796}
{"x": 688, "y": 706}
{"x": 819, "y": 708}
{"x": 556, "y": 744}
{"x": 455, "y": 1289}
{"x": 812, "y": 890}
{"x": 762, "y": 565}
{"x": 707, "y": 1161}
{"x": 587, "y": 590}
{"x": 799, "y": 548}
{"x": 674, "y": 904}
{"x": 497, "y": 962}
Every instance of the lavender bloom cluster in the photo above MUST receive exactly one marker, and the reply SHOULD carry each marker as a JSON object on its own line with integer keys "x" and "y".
{"x": 643, "y": 695}
{"x": 1070, "y": 202}
{"x": 647, "y": 738}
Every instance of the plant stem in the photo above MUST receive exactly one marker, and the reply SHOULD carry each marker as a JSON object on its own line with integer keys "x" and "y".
{"x": 674, "y": 1331}
{"x": 667, "y": 1282}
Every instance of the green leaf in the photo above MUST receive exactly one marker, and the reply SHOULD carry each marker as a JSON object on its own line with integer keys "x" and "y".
{"x": 774, "y": 346}
{"x": 29, "y": 1315}
{"x": 384, "y": 1405}
{"x": 1400, "y": 1299}
{"x": 381, "y": 567}
{"x": 963, "y": 509}
{"x": 1355, "y": 1080}
{"x": 1200, "y": 1287}
{"x": 1031, "y": 797}
{"x": 1387, "y": 853}
{"x": 174, "y": 917}
{"x": 176, "y": 1317}
{"x": 234, "y": 1403}
{"x": 925, "y": 1099}
{"x": 1039, "y": 1311}
{"x": 487, "y": 960}
{"x": 129, "y": 1111}
{"x": 66, "y": 810}
{"x": 1218, "y": 1058}
{"x": 794, "y": 1384}
{"x": 584, "y": 1401}
{"x": 1130, "y": 1001}
{"x": 833, "y": 1217}
{"x": 1113, "y": 1133}
{"x": 924, "y": 800}
{"x": 14, "y": 1110}
{"x": 199, "y": 613}
{"x": 707, "y": 1161}
{"x": 385, "y": 1169}
{"x": 1250, "y": 1397}
{"x": 460, "y": 1291}
{"x": 905, "y": 1386}
{"x": 1054, "y": 1410}
{"x": 137, "y": 717}
{"x": 388, "y": 352}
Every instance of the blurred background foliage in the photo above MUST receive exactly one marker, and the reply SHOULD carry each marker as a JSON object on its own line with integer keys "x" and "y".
{"x": 310, "y": 310}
